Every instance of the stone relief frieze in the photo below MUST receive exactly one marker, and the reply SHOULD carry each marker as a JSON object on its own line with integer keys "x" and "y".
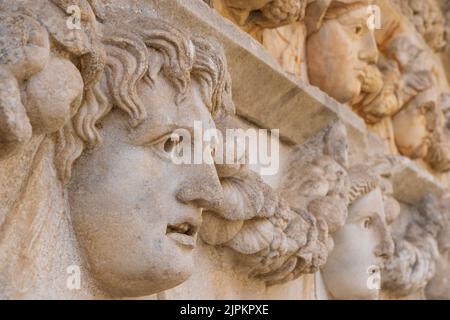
{"x": 392, "y": 75}
{"x": 366, "y": 235}
{"x": 276, "y": 237}
{"x": 413, "y": 264}
{"x": 262, "y": 13}
{"x": 83, "y": 97}
{"x": 415, "y": 229}
{"x": 357, "y": 208}
{"x": 107, "y": 126}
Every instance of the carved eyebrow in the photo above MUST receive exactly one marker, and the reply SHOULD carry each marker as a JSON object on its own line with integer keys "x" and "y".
{"x": 360, "y": 215}
{"x": 349, "y": 21}
{"x": 354, "y": 21}
{"x": 146, "y": 133}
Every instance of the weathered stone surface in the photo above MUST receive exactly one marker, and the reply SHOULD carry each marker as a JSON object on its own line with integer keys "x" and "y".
{"x": 413, "y": 264}
{"x": 408, "y": 174}
{"x": 254, "y": 70}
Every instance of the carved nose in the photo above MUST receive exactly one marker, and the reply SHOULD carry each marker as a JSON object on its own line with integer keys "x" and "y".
{"x": 369, "y": 52}
{"x": 386, "y": 248}
{"x": 203, "y": 190}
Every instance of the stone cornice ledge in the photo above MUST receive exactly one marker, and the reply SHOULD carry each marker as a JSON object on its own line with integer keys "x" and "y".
{"x": 263, "y": 93}
{"x": 411, "y": 182}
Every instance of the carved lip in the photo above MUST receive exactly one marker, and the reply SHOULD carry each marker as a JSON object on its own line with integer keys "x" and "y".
{"x": 183, "y": 233}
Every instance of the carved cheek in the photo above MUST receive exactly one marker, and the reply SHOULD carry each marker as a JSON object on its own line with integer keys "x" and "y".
{"x": 332, "y": 58}
{"x": 341, "y": 44}
{"x": 410, "y": 134}
{"x": 52, "y": 94}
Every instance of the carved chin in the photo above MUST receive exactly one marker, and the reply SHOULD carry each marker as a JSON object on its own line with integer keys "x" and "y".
{"x": 138, "y": 288}
{"x": 414, "y": 153}
{"x": 140, "y": 285}
{"x": 349, "y": 95}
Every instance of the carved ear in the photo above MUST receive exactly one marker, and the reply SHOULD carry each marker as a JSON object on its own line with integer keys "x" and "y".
{"x": 155, "y": 64}
{"x": 429, "y": 110}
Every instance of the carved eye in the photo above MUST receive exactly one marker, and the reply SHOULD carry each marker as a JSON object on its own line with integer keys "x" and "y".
{"x": 169, "y": 145}
{"x": 366, "y": 223}
{"x": 172, "y": 142}
{"x": 358, "y": 30}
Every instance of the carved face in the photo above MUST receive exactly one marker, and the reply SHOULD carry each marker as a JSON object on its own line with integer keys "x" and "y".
{"x": 361, "y": 247}
{"x": 420, "y": 132}
{"x": 413, "y": 128}
{"x": 338, "y": 55}
{"x": 137, "y": 213}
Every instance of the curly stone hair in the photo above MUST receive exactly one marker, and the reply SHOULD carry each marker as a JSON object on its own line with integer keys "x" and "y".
{"x": 362, "y": 182}
{"x": 133, "y": 53}
{"x": 81, "y": 46}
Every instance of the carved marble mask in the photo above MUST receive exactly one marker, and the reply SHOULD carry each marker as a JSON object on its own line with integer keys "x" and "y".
{"x": 361, "y": 247}
{"x": 135, "y": 212}
{"x": 339, "y": 55}
{"x": 414, "y": 126}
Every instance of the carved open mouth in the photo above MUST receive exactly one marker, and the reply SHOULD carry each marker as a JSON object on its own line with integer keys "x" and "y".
{"x": 183, "y": 233}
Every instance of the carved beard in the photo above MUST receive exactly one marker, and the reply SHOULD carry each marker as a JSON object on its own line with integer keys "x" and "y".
{"x": 418, "y": 152}
{"x": 439, "y": 155}
{"x": 371, "y": 86}
{"x": 373, "y": 79}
